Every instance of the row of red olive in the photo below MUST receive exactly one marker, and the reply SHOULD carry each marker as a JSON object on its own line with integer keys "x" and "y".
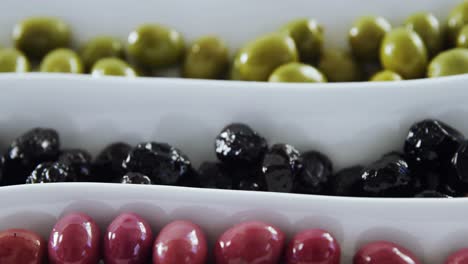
{"x": 76, "y": 237}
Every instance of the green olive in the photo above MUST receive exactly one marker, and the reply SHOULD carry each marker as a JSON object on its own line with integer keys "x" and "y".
{"x": 429, "y": 29}
{"x": 155, "y": 46}
{"x": 62, "y": 60}
{"x": 339, "y": 66}
{"x": 457, "y": 18}
{"x": 13, "y": 60}
{"x": 207, "y": 58}
{"x": 366, "y": 35}
{"x": 386, "y": 76}
{"x": 403, "y": 52}
{"x": 308, "y": 37}
{"x": 99, "y": 48}
{"x": 113, "y": 67}
{"x": 451, "y": 62}
{"x": 37, "y": 36}
{"x": 462, "y": 38}
{"x": 297, "y": 73}
{"x": 259, "y": 58}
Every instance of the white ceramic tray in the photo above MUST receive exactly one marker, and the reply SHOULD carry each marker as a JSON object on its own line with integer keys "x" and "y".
{"x": 352, "y": 123}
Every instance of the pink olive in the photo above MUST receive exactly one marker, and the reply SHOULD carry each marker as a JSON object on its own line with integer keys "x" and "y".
{"x": 74, "y": 240}
{"x": 180, "y": 242}
{"x": 21, "y": 246}
{"x": 250, "y": 242}
{"x": 314, "y": 246}
{"x": 382, "y": 252}
{"x": 128, "y": 240}
{"x": 459, "y": 257}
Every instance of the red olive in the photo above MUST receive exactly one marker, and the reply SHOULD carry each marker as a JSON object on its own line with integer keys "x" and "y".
{"x": 382, "y": 252}
{"x": 128, "y": 240}
{"x": 21, "y": 246}
{"x": 180, "y": 242}
{"x": 314, "y": 246}
{"x": 74, "y": 240}
{"x": 250, "y": 242}
{"x": 459, "y": 257}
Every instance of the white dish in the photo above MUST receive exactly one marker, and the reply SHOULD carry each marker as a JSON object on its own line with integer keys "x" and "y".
{"x": 432, "y": 228}
{"x": 352, "y": 123}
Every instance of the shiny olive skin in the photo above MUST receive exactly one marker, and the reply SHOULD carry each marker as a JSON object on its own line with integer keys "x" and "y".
{"x": 259, "y": 58}
{"x": 339, "y": 66}
{"x": 366, "y": 35}
{"x": 13, "y": 60}
{"x": 383, "y": 252}
{"x": 313, "y": 246}
{"x": 385, "y": 76}
{"x": 154, "y": 46}
{"x": 296, "y": 72}
{"x": 403, "y": 52}
{"x": 128, "y": 240}
{"x": 450, "y": 62}
{"x": 113, "y": 67}
{"x": 21, "y": 246}
{"x": 459, "y": 257}
{"x": 206, "y": 58}
{"x": 250, "y": 242}
{"x": 180, "y": 242}
{"x": 462, "y": 38}
{"x": 308, "y": 37}
{"x": 457, "y": 18}
{"x": 75, "y": 231}
{"x": 37, "y": 36}
{"x": 429, "y": 29}
{"x": 62, "y": 60}
{"x": 99, "y": 48}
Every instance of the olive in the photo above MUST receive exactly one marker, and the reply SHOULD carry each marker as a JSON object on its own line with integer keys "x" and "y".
{"x": 384, "y": 252}
{"x": 308, "y": 37}
{"x": 296, "y": 72}
{"x": 366, "y": 35}
{"x": 112, "y": 66}
{"x": 339, "y": 66}
{"x": 37, "y": 36}
{"x": 21, "y": 246}
{"x": 457, "y": 18}
{"x": 403, "y": 52}
{"x": 128, "y": 239}
{"x": 462, "y": 39}
{"x": 99, "y": 48}
{"x": 385, "y": 75}
{"x": 13, "y": 60}
{"x": 180, "y": 242}
{"x": 259, "y": 58}
{"x": 234, "y": 72}
{"x": 450, "y": 62}
{"x": 313, "y": 246}
{"x": 154, "y": 46}
{"x": 62, "y": 60}
{"x": 207, "y": 58}
{"x": 429, "y": 29}
{"x": 75, "y": 238}
{"x": 458, "y": 257}
{"x": 250, "y": 242}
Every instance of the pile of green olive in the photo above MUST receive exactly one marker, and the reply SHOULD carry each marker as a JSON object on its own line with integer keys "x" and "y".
{"x": 420, "y": 47}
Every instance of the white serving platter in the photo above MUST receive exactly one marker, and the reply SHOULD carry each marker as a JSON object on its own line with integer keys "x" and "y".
{"x": 355, "y": 123}
{"x": 352, "y": 123}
